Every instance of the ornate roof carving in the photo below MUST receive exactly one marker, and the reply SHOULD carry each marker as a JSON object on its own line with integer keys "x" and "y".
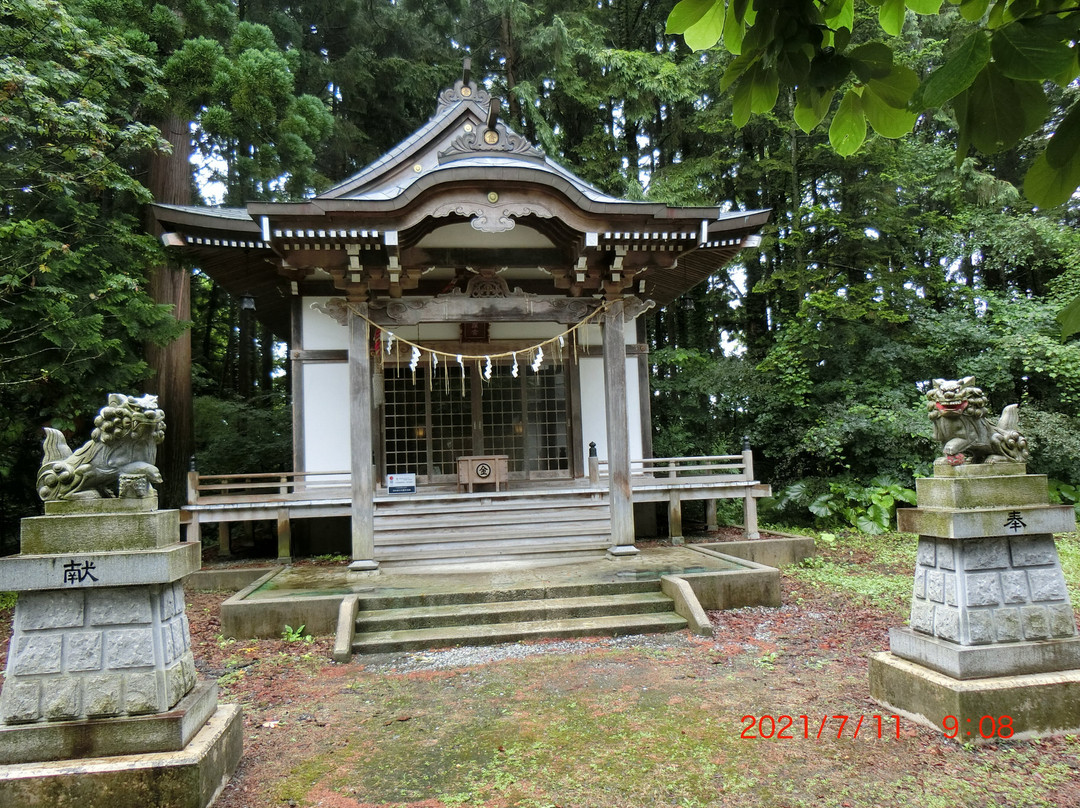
{"x": 462, "y": 91}
{"x": 498, "y": 140}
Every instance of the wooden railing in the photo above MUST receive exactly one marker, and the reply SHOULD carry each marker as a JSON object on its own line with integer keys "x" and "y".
{"x": 709, "y": 478}
{"x": 206, "y": 489}
{"x": 740, "y": 466}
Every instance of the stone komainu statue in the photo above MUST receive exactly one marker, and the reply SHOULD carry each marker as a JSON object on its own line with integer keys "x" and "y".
{"x": 117, "y": 460}
{"x": 958, "y": 412}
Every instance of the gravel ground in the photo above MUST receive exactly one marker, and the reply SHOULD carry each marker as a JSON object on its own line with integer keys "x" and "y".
{"x": 468, "y": 656}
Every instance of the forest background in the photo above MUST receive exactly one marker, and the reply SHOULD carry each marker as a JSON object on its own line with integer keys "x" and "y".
{"x": 914, "y": 257}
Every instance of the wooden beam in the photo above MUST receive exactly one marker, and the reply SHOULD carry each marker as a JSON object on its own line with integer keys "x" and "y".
{"x": 458, "y": 308}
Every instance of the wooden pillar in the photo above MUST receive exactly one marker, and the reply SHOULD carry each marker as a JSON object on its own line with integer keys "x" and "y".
{"x": 618, "y": 433}
{"x": 284, "y": 537}
{"x": 192, "y": 532}
{"x": 674, "y": 517}
{"x": 644, "y": 370}
{"x": 363, "y": 478}
{"x": 224, "y": 540}
{"x": 296, "y": 380}
{"x": 710, "y": 515}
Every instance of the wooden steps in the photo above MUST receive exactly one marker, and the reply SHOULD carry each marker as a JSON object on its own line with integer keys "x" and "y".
{"x": 503, "y": 527}
{"x": 488, "y": 618}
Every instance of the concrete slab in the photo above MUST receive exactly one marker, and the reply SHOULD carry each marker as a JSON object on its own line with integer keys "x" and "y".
{"x": 311, "y": 596}
{"x": 227, "y": 578}
{"x": 771, "y": 552}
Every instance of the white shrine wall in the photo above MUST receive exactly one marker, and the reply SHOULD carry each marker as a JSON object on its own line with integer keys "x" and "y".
{"x": 325, "y": 388}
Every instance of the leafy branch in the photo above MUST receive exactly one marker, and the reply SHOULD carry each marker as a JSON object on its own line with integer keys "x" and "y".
{"x": 993, "y": 80}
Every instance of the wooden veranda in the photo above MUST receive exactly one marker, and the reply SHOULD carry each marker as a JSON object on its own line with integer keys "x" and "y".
{"x": 530, "y": 521}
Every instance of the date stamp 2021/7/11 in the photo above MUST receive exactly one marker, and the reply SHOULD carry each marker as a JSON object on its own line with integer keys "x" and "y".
{"x": 789, "y": 728}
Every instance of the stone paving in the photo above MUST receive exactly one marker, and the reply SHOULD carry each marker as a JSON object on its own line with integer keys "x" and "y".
{"x": 649, "y": 564}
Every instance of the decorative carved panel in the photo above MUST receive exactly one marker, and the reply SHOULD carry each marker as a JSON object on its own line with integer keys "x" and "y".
{"x": 477, "y": 139}
{"x": 463, "y": 92}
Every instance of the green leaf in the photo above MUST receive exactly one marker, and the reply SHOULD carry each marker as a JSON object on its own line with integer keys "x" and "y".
{"x": 741, "y": 103}
{"x": 1001, "y": 111}
{"x": 840, "y": 14}
{"x": 924, "y": 6}
{"x": 829, "y": 70}
{"x": 1069, "y": 318}
{"x": 973, "y": 10}
{"x": 764, "y": 88}
{"x": 811, "y": 107}
{"x": 871, "y": 61}
{"x": 1065, "y": 143}
{"x": 706, "y": 27}
{"x": 822, "y": 506}
{"x": 956, "y": 75}
{"x": 891, "y": 16}
{"x": 897, "y": 87}
{"x": 733, "y": 32}
{"x": 738, "y": 67}
{"x": 848, "y": 129}
{"x": 1031, "y": 51}
{"x": 757, "y": 91}
{"x": 886, "y": 119}
{"x": 1048, "y": 186}
{"x": 686, "y": 13}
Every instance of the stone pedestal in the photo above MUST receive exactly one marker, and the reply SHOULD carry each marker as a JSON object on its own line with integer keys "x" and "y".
{"x": 100, "y": 675}
{"x": 992, "y": 632}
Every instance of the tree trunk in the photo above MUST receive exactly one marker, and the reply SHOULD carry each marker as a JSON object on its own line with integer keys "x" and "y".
{"x": 169, "y": 181}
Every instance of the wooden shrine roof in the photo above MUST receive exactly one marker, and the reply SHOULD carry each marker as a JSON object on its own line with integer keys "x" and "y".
{"x": 463, "y": 194}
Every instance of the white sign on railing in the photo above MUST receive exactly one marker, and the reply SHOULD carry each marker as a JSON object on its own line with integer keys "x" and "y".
{"x": 401, "y": 483}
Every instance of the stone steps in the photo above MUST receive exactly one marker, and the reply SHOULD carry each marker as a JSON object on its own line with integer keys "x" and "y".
{"x": 488, "y": 618}
{"x": 493, "y": 634}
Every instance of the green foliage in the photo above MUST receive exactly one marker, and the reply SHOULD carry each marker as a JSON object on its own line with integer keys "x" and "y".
{"x": 993, "y": 79}
{"x": 233, "y": 437}
{"x": 291, "y": 634}
{"x": 1054, "y": 438}
{"x": 74, "y": 311}
{"x": 843, "y": 502}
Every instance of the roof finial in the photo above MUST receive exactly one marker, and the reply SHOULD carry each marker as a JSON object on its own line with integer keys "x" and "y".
{"x": 466, "y": 74}
{"x": 493, "y": 113}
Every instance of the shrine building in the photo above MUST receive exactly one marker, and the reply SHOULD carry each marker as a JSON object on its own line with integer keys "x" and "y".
{"x": 466, "y": 325}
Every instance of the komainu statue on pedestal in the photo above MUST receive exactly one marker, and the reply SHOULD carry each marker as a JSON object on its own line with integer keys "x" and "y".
{"x": 117, "y": 460}
{"x": 958, "y": 412}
